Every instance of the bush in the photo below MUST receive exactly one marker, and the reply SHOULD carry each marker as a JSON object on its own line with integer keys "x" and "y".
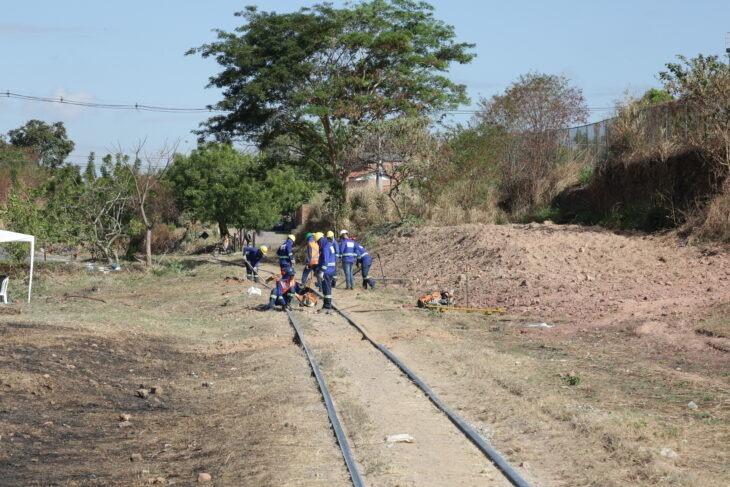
{"x": 716, "y": 225}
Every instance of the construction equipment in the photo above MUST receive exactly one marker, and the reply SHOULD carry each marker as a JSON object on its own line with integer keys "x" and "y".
{"x": 443, "y": 301}
{"x": 436, "y": 298}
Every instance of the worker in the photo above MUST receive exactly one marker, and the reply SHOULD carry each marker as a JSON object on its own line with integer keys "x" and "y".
{"x": 321, "y": 240}
{"x": 285, "y": 290}
{"x": 365, "y": 261}
{"x": 312, "y": 261}
{"x": 286, "y": 254}
{"x": 348, "y": 256}
{"x": 252, "y": 256}
{"x": 327, "y": 269}
{"x": 331, "y": 239}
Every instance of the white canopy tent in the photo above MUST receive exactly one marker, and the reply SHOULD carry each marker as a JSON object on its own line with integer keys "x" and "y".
{"x": 6, "y": 236}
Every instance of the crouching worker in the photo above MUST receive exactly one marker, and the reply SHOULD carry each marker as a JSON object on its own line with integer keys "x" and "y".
{"x": 365, "y": 261}
{"x": 286, "y": 289}
{"x": 252, "y": 257}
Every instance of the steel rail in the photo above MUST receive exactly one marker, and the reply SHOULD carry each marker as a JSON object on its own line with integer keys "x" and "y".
{"x": 489, "y": 451}
{"x": 355, "y": 476}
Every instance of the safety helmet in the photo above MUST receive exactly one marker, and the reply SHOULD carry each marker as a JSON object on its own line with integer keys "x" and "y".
{"x": 264, "y": 249}
{"x": 308, "y": 234}
{"x": 291, "y": 237}
{"x": 343, "y": 232}
{"x": 330, "y": 234}
{"x": 318, "y": 235}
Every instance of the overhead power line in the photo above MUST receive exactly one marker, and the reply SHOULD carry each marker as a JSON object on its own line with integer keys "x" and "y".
{"x": 168, "y": 109}
{"x": 108, "y": 106}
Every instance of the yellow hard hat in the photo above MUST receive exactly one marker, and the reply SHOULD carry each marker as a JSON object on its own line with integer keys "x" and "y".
{"x": 330, "y": 234}
{"x": 264, "y": 249}
{"x": 291, "y": 237}
{"x": 318, "y": 235}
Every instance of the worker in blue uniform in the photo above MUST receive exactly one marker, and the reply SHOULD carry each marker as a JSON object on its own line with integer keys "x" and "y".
{"x": 365, "y": 261}
{"x": 252, "y": 256}
{"x": 348, "y": 256}
{"x": 327, "y": 269}
{"x": 285, "y": 290}
{"x": 286, "y": 255}
{"x": 331, "y": 238}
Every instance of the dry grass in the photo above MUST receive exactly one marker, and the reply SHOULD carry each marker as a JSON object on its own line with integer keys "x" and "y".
{"x": 610, "y": 430}
{"x": 260, "y": 421}
{"x": 716, "y": 224}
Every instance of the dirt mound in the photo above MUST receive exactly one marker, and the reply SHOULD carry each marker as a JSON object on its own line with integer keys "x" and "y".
{"x": 572, "y": 274}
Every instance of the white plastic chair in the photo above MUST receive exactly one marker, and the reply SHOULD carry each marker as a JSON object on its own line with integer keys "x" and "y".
{"x": 4, "y": 289}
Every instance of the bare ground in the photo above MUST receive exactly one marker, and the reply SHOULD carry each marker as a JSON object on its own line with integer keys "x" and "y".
{"x": 600, "y": 399}
{"x": 235, "y": 397}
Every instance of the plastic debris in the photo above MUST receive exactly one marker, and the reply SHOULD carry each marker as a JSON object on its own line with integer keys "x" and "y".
{"x": 254, "y": 291}
{"x": 538, "y": 325}
{"x": 399, "y": 438}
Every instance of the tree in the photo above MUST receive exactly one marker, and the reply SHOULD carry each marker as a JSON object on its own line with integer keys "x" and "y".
{"x": 317, "y": 76}
{"x": 398, "y": 149}
{"x": 90, "y": 171}
{"x": 702, "y": 85}
{"x": 219, "y": 184}
{"x": 655, "y": 96}
{"x": 531, "y": 115}
{"x": 105, "y": 206}
{"x": 535, "y": 103}
{"x": 147, "y": 172}
{"x": 50, "y": 141}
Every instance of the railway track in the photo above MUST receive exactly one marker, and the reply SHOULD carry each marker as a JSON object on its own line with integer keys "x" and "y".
{"x": 441, "y": 455}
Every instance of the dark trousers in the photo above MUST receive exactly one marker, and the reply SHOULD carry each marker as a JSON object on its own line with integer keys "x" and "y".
{"x": 327, "y": 290}
{"x": 252, "y": 274}
{"x": 305, "y": 275}
{"x": 365, "y": 271}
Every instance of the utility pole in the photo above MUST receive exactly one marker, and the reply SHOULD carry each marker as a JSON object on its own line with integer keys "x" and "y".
{"x": 727, "y": 46}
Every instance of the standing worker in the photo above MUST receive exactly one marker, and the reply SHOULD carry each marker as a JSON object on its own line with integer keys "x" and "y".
{"x": 331, "y": 239}
{"x": 312, "y": 261}
{"x": 321, "y": 241}
{"x": 365, "y": 262}
{"x": 286, "y": 255}
{"x": 348, "y": 256}
{"x": 252, "y": 256}
{"x": 327, "y": 269}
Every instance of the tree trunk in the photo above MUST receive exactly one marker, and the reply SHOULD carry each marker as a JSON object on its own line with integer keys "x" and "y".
{"x": 223, "y": 228}
{"x": 148, "y": 246}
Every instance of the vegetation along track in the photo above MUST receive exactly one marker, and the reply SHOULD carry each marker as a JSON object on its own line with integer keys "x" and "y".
{"x": 375, "y": 401}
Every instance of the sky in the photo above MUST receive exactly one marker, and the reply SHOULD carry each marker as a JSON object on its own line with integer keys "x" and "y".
{"x": 133, "y": 52}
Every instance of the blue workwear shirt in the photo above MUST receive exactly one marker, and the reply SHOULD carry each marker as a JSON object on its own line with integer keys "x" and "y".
{"x": 328, "y": 258}
{"x": 347, "y": 251}
{"x": 286, "y": 252}
{"x": 362, "y": 255}
{"x": 253, "y": 255}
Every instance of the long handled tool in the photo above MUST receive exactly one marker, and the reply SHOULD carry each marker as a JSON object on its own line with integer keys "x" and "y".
{"x": 484, "y": 311}
{"x": 382, "y": 272}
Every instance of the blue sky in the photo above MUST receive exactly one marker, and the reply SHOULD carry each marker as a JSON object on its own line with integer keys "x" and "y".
{"x": 133, "y": 52}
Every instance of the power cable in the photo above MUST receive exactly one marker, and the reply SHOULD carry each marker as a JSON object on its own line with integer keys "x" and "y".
{"x": 168, "y": 109}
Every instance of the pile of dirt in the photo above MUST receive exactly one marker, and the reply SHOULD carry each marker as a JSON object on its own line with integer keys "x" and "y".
{"x": 578, "y": 275}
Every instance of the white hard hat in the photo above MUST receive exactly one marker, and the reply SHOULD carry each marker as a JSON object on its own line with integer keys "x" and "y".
{"x": 343, "y": 232}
